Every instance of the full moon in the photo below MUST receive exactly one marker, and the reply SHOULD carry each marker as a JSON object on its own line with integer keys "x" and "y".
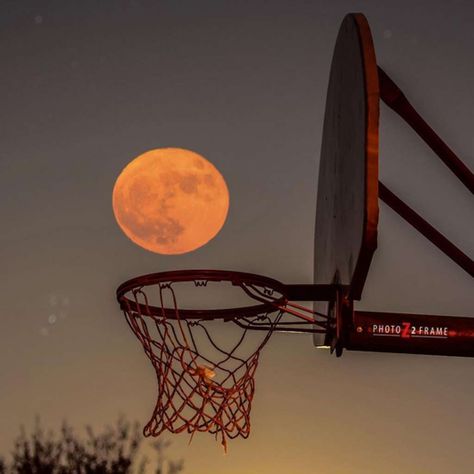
{"x": 170, "y": 201}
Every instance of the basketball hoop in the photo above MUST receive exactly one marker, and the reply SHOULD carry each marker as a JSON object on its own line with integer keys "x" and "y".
{"x": 208, "y": 385}
{"x": 203, "y": 384}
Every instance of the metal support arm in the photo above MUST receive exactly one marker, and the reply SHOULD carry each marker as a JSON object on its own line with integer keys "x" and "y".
{"x": 391, "y": 94}
{"x": 426, "y": 229}
{"x": 411, "y": 333}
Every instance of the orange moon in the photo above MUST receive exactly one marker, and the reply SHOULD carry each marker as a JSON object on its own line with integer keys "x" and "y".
{"x": 170, "y": 201}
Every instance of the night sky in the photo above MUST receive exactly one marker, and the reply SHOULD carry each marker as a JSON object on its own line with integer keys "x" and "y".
{"x": 88, "y": 85}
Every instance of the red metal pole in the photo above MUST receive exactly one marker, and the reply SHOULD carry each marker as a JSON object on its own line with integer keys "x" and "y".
{"x": 426, "y": 229}
{"x": 411, "y": 333}
{"x": 391, "y": 94}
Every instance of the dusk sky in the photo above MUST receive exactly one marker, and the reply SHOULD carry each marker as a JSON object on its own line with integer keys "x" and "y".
{"x": 88, "y": 86}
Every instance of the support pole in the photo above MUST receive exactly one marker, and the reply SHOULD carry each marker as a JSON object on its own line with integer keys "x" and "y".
{"x": 426, "y": 229}
{"x": 411, "y": 333}
{"x": 391, "y": 94}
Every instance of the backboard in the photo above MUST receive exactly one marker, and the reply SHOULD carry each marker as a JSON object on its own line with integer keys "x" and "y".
{"x": 347, "y": 200}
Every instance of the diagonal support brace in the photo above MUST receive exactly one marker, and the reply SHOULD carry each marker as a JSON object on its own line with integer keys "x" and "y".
{"x": 426, "y": 229}
{"x": 391, "y": 94}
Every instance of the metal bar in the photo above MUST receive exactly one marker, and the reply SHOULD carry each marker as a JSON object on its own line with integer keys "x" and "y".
{"x": 391, "y": 94}
{"x": 288, "y": 310}
{"x": 305, "y": 310}
{"x": 308, "y": 292}
{"x": 426, "y": 229}
{"x": 280, "y": 328}
{"x": 411, "y": 333}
